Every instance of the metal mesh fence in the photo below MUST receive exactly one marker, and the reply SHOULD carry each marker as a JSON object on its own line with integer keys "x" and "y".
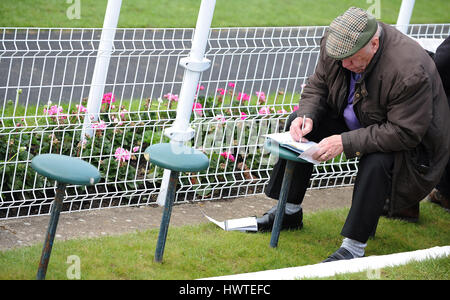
{"x": 254, "y": 83}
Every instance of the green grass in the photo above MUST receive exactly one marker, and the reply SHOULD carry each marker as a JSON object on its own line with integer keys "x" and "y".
{"x": 228, "y": 13}
{"x": 205, "y": 250}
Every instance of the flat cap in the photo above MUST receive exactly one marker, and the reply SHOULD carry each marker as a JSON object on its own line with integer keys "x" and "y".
{"x": 349, "y": 33}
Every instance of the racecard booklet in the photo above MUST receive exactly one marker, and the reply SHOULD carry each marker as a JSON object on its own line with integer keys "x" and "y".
{"x": 285, "y": 140}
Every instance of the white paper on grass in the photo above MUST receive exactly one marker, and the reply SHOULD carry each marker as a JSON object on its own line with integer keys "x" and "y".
{"x": 241, "y": 224}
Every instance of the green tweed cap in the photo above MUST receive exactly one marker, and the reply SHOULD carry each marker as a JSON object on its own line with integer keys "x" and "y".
{"x": 349, "y": 33}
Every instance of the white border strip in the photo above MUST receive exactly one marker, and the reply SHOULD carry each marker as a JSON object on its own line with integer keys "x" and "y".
{"x": 342, "y": 266}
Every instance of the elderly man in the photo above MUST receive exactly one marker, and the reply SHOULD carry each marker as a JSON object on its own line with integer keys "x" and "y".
{"x": 376, "y": 95}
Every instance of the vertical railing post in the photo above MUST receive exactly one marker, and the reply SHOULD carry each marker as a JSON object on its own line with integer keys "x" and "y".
{"x": 101, "y": 65}
{"x": 194, "y": 65}
{"x": 404, "y": 15}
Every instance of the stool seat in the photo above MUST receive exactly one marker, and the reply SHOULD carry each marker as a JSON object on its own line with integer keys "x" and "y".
{"x": 284, "y": 153}
{"x": 176, "y": 157}
{"x": 65, "y": 169}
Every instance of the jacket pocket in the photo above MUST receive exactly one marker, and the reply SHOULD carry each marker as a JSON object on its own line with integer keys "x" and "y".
{"x": 371, "y": 111}
{"x": 419, "y": 157}
{"x": 373, "y": 116}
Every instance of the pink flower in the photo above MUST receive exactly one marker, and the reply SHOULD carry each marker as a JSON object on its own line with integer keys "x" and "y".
{"x": 54, "y": 110}
{"x": 261, "y": 96}
{"x": 220, "y": 118}
{"x": 295, "y": 108}
{"x": 171, "y": 97}
{"x": 228, "y": 155}
{"x": 221, "y": 91}
{"x": 108, "y": 98}
{"x": 117, "y": 121}
{"x": 81, "y": 108}
{"x": 243, "y": 116}
{"x": 122, "y": 113}
{"x": 200, "y": 87}
{"x": 99, "y": 125}
{"x": 243, "y": 97}
{"x": 232, "y": 85}
{"x": 136, "y": 149}
{"x": 198, "y": 108}
{"x": 281, "y": 111}
{"x": 122, "y": 155}
{"x": 265, "y": 110}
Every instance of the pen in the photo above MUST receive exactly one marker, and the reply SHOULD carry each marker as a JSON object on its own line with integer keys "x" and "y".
{"x": 303, "y": 127}
{"x": 303, "y": 123}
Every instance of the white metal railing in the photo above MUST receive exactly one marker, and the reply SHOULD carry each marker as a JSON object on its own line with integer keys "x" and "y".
{"x": 255, "y": 80}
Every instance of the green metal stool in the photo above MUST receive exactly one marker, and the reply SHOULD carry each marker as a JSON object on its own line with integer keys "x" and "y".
{"x": 290, "y": 157}
{"x": 177, "y": 158}
{"x": 64, "y": 170}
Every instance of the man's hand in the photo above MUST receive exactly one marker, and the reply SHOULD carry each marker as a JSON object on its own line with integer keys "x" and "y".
{"x": 296, "y": 129}
{"x": 329, "y": 148}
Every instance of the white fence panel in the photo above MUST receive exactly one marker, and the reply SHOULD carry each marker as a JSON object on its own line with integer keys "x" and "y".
{"x": 255, "y": 81}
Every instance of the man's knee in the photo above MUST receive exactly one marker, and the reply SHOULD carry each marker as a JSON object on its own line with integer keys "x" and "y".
{"x": 377, "y": 162}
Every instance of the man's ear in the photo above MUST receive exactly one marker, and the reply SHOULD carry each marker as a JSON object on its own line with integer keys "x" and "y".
{"x": 375, "y": 42}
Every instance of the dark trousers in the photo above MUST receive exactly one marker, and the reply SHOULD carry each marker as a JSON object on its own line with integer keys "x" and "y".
{"x": 444, "y": 185}
{"x": 372, "y": 186}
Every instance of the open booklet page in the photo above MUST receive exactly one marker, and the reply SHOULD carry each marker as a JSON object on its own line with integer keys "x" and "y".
{"x": 306, "y": 150}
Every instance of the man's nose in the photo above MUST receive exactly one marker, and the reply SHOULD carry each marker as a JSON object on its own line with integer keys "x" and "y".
{"x": 346, "y": 62}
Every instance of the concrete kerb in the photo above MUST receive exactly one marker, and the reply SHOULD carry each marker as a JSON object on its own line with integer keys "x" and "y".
{"x": 372, "y": 265}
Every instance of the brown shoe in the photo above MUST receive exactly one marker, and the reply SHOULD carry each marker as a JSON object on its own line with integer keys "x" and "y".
{"x": 436, "y": 197}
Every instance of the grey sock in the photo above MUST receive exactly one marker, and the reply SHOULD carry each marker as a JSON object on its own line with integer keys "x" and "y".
{"x": 354, "y": 247}
{"x": 292, "y": 208}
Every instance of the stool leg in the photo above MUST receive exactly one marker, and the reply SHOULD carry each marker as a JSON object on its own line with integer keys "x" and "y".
{"x": 164, "y": 227}
{"x": 51, "y": 230}
{"x": 281, "y": 206}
